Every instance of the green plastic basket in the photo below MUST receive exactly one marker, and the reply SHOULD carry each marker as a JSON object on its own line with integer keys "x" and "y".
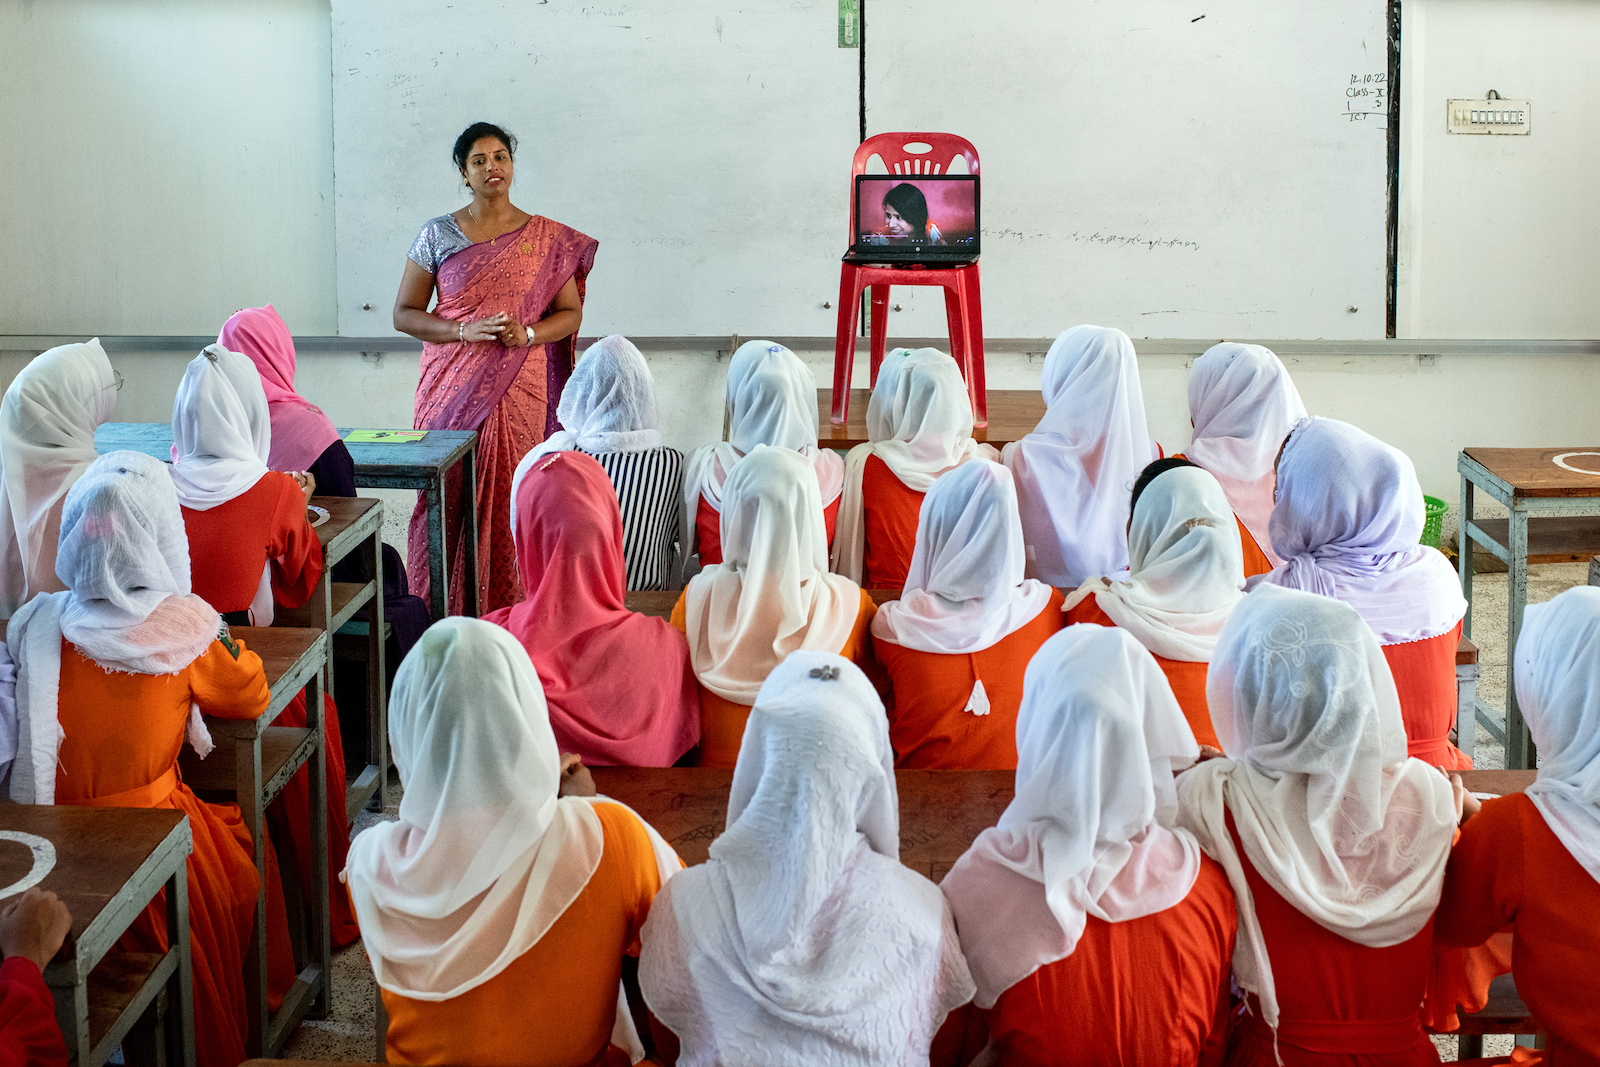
{"x": 1434, "y": 520}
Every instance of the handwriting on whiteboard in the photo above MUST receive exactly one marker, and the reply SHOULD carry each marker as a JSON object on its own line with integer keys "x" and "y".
{"x": 1366, "y": 95}
{"x": 1098, "y": 237}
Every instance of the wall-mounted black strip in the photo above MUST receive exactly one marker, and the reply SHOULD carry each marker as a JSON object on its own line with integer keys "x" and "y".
{"x": 861, "y": 58}
{"x": 1392, "y": 285}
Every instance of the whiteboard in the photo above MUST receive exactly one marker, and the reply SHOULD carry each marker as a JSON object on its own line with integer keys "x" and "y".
{"x": 705, "y": 146}
{"x": 1142, "y": 167}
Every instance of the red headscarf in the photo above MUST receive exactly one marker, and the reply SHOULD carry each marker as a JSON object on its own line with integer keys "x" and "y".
{"x": 300, "y": 431}
{"x": 619, "y": 684}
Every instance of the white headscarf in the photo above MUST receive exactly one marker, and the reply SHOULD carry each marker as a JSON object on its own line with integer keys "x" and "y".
{"x": 1075, "y": 470}
{"x": 1558, "y": 690}
{"x": 802, "y": 940}
{"x": 919, "y": 422}
{"x": 1347, "y": 523}
{"x": 1331, "y": 812}
{"x": 771, "y": 594}
{"x": 221, "y": 430}
{"x": 772, "y": 400}
{"x": 124, "y": 557}
{"x": 47, "y": 423}
{"x": 1186, "y": 568}
{"x": 608, "y": 405}
{"x": 1242, "y": 403}
{"x": 485, "y": 857}
{"x": 965, "y": 590}
{"x": 1099, "y": 736}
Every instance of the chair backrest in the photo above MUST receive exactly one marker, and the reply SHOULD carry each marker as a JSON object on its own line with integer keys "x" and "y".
{"x": 895, "y": 151}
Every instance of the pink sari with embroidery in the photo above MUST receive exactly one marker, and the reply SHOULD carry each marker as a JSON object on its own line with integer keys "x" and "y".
{"x": 503, "y": 393}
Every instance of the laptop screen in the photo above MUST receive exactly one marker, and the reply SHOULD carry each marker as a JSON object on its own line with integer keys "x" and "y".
{"x": 915, "y": 216}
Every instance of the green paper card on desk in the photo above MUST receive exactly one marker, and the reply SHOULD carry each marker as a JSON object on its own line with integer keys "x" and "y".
{"x": 385, "y": 437}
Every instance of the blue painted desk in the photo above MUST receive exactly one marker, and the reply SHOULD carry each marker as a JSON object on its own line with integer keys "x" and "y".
{"x": 421, "y": 465}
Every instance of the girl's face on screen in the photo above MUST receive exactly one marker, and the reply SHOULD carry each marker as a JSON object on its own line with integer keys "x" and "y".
{"x": 488, "y": 168}
{"x": 897, "y": 225}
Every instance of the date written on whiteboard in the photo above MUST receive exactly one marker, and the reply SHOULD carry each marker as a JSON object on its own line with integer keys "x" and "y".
{"x": 1365, "y": 95}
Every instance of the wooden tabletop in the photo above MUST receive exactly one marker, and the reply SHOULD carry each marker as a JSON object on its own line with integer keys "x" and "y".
{"x": 411, "y": 464}
{"x": 1013, "y": 413}
{"x": 344, "y": 513}
{"x": 290, "y": 655}
{"x": 98, "y": 852}
{"x": 1533, "y": 471}
{"x": 1499, "y": 782}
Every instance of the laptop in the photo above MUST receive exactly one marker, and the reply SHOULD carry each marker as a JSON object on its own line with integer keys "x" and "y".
{"x": 916, "y": 219}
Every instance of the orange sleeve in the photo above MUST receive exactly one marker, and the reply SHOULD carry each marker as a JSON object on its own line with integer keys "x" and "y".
{"x": 858, "y": 650}
{"x": 226, "y": 687}
{"x": 680, "y": 614}
{"x": 28, "y": 1030}
{"x": 294, "y": 550}
{"x": 1483, "y": 884}
{"x": 641, "y": 878}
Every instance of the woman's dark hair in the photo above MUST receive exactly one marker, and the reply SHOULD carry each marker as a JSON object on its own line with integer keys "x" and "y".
{"x": 1151, "y": 472}
{"x": 908, "y": 200}
{"x": 470, "y": 136}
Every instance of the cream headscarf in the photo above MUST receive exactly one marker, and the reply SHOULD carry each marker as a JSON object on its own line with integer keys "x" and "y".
{"x": 771, "y": 594}
{"x": 1558, "y": 690}
{"x": 1331, "y": 812}
{"x": 1099, "y": 736}
{"x": 1186, "y": 568}
{"x": 47, "y": 423}
{"x": 1075, "y": 471}
{"x": 919, "y": 422}
{"x": 802, "y": 940}
{"x": 608, "y": 405}
{"x": 1242, "y": 403}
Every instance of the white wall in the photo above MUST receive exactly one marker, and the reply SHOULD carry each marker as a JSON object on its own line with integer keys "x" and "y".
{"x": 1500, "y": 236}
{"x": 164, "y": 163}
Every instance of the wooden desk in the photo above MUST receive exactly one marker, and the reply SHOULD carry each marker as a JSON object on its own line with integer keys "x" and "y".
{"x": 660, "y": 602}
{"x": 251, "y": 764}
{"x": 1013, "y": 413}
{"x": 110, "y": 863}
{"x": 1555, "y": 517}
{"x": 354, "y": 524}
{"x": 421, "y": 465}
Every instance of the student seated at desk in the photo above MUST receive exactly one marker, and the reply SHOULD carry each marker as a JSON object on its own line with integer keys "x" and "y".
{"x": 497, "y": 912}
{"x": 1347, "y": 523}
{"x": 1096, "y": 933}
{"x": 1073, "y": 471}
{"x": 772, "y": 400}
{"x": 802, "y": 939}
{"x": 1335, "y": 842}
{"x": 1185, "y": 576}
{"x": 608, "y": 410}
{"x": 47, "y": 424}
{"x": 1242, "y": 404}
{"x": 957, "y": 641}
{"x": 769, "y": 598}
{"x": 919, "y": 425}
{"x": 252, "y": 547}
{"x": 1532, "y": 860}
{"x": 106, "y": 675}
{"x": 32, "y": 929}
{"x": 303, "y": 438}
{"x": 618, "y": 684}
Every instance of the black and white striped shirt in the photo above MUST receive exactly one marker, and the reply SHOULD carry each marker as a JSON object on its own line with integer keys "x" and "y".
{"x": 649, "y": 487}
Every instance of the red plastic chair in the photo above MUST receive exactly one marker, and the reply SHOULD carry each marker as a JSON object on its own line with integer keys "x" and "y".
{"x": 962, "y": 308}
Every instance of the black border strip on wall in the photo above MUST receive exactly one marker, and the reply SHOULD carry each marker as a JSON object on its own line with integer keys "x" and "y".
{"x": 1392, "y": 279}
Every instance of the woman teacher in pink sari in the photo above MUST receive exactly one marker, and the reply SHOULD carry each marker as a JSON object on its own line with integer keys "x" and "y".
{"x": 498, "y": 347}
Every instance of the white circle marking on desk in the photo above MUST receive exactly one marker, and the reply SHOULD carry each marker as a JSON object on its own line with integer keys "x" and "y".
{"x": 44, "y": 860}
{"x": 1561, "y": 461}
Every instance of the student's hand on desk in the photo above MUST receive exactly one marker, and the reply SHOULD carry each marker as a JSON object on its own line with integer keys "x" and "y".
{"x": 33, "y": 926}
{"x": 307, "y": 482}
{"x": 576, "y": 781}
{"x": 1466, "y": 804}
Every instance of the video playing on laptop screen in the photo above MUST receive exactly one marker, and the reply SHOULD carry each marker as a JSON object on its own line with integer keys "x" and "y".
{"x": 916, "y": 214}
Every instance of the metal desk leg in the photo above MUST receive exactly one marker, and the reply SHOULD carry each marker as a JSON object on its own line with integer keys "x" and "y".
{"x": 1519, "y": 745}
{"x": 321, "y": 926}
{"x": 438, "y": 593}
{"x": 469, "y": 482}
{"x": 1466, "y": 707}
{"x": 1464, "y": 556}
{"x": 180, "y": 987}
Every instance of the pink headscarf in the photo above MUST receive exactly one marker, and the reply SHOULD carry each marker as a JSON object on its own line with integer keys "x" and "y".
{"x": 619, "y": 685}
{"x": 300, "y": 431}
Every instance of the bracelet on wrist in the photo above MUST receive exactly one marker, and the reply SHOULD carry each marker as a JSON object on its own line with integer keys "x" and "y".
{"x": 461, "y": 331}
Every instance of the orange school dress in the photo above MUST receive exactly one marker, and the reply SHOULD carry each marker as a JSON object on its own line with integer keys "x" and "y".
{"x": 228, "y": 546}
{"x": 929, "y": 725}
{"x": 890, "y": 512}
{"x": 708, "y": 529}
{"x": 555, "y": 1005}
{"x": 1425, "y": 677}
{"x": 1188, "y": 679}
{"x": 1340, "y": 1004}
{"x": 140, "y": 719}
{"x": 722, "y": 721}
{"x": 1508, "y": 867}
{"x": 1152, "y": 990}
